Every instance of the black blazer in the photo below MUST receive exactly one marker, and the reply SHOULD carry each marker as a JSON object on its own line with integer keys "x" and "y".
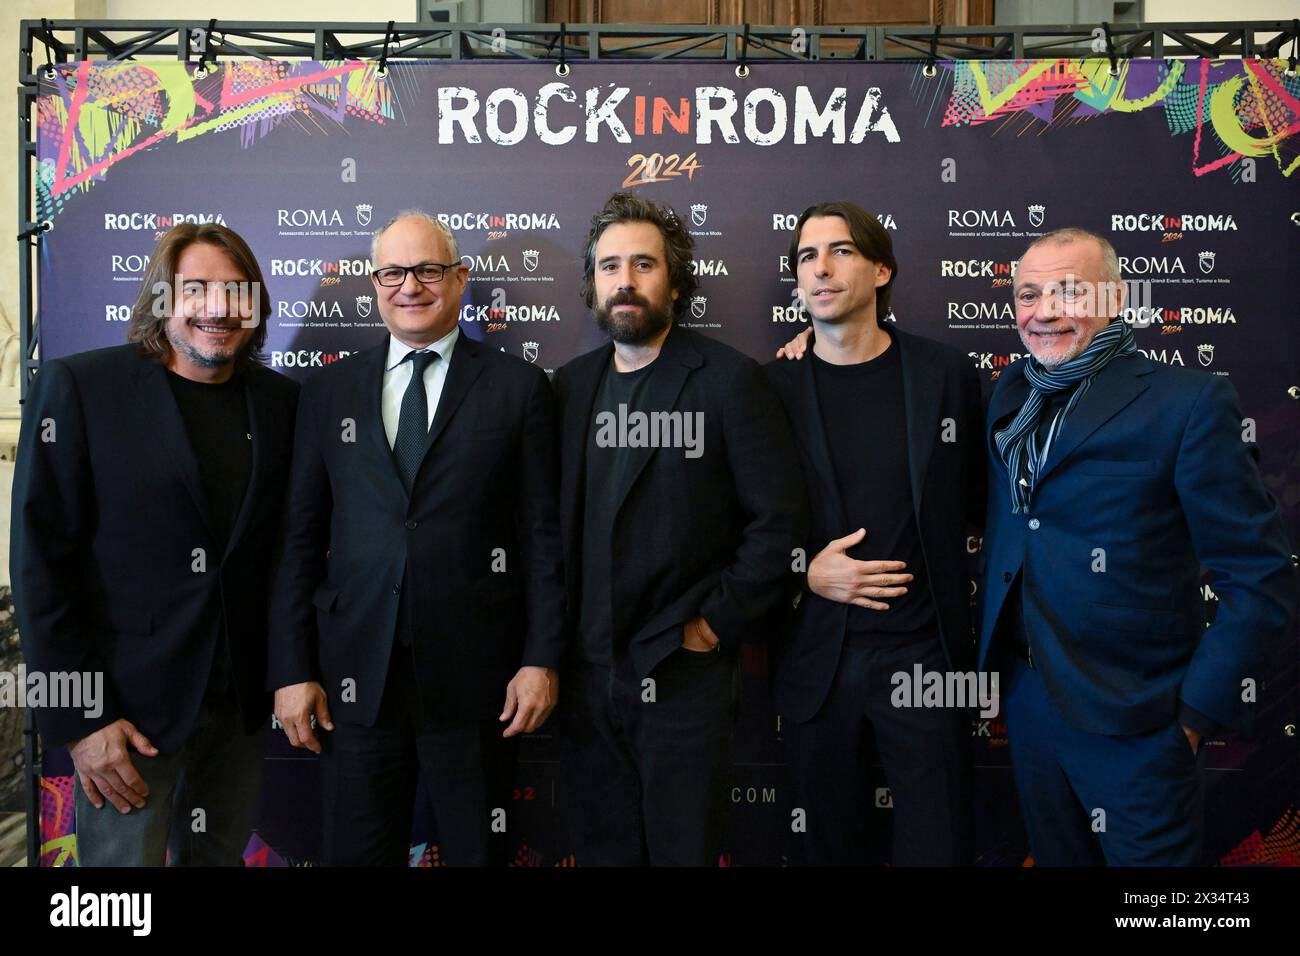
{"x": 948, "y": 488}
{"x": 711, "y": 535}
{"x": 476, "y": 543}
{"x": 106, "y": 520}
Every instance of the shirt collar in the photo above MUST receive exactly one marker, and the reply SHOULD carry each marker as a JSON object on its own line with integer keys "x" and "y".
{"x": 397, "y": 349}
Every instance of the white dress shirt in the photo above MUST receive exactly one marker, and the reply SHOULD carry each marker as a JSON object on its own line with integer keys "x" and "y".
{"x": 397, "y": 376}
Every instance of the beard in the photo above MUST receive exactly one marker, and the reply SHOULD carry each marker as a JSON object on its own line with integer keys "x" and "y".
{"x": 215, "y": 358}
{"x": 1054, "y": 361}
{"x": 632, "y": 330}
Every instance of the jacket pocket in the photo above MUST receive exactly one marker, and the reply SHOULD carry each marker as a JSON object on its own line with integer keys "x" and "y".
{"x": 1138, "y": 620}
{"x": 125, "y": 620}
{"x": 500, "y": 434}
{"x": 325, "y": 597}
{"x": 1119, "y": 469}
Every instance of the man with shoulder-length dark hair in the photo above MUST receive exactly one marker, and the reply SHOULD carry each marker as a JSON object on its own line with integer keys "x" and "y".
{"x": 146, "y": 504}
{"x": 890, "y": 433}
{"x": 680, "y": 505}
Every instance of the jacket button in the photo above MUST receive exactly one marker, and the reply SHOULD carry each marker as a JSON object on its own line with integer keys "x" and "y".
{"x": 397, "y": 589}
{"x": 412, "y": 525}
{"x": 1033, "y": 524}
{"x": 1006, "y": 577}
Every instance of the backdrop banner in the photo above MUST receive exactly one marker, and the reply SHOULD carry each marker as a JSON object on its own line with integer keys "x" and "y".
{"x": 1187, "y": 166}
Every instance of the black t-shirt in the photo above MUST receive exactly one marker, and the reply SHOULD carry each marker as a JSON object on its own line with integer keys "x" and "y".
{"x": 216, "y": 421}
{"x": 865, "y": 418}
{"x": 607, "y": 466}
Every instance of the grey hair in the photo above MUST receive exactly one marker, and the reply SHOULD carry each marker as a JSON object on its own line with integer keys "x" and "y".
{"x": 1109, "y": 260}
{"x": 439, "y": 226}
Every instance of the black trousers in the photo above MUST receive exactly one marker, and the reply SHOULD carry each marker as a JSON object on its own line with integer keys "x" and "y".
{"x": 925, "y": 752}
{"x": 369, "y": 776}
{"x": 647, "y": 767}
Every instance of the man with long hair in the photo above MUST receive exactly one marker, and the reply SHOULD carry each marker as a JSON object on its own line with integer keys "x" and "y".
{"x": 146, "y": 507}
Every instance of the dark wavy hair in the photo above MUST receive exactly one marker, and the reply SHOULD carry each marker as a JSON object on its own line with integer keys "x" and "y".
{"x": 149, "y": 331}
{"x": 867, "y": 234}
{"x": 679, "y": 247}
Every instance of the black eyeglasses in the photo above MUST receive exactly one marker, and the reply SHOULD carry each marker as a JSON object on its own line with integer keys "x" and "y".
{"x": 426, "y": 273}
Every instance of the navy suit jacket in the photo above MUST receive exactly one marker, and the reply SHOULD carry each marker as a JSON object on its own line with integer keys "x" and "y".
{"x": 474, "y": 548}
{"x": 108, "y": 517}
{"x": 1149, "y": 480}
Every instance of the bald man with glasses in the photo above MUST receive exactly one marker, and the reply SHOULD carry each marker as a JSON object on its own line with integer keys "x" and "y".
{"x": 418, "y": 610}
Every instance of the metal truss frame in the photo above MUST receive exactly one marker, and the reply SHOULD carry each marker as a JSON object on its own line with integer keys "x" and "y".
{"x": 562, "y": 44}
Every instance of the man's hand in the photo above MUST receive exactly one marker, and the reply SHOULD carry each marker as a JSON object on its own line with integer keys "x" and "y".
{"x": 795, "y": 348}
{"x": 698, "y": 636}
{"x": 294, "y": 707}
{"x": 837, "y": 577}
{"x": 1193, "y": 738}
{"x": 530, "y": 697}
{"x": 104, "y": 766}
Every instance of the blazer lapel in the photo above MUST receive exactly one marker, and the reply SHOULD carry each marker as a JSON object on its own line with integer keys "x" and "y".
{"x": 808, "y": 423}
{"x": 1115, "y": 386}
{"x": 675, "y": 361}
{"x": 581, "y": 379}
{"x": 466, "y": 366}
{"x": 159, "y": 406}
{"x": 922, "y": 396}
{"x": 1004, "y": 405}
{"x": 259, "y": 430}
{"x": 370, "y": 400}
{"x": 586, "y": 377}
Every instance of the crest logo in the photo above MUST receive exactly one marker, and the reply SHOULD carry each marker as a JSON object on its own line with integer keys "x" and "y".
{"x": 699, "y": 213}
{"x": 364, "y": 209}
{"x": 1205, "y": 354}
{"x": 530, "y": 260}
{"x": 1036, "y": 215}
{"x": 530, "y": 348}
{"x": 1206, "y": 260}
{"x": 363, "y": 305}
{"x": 698, "y": 306}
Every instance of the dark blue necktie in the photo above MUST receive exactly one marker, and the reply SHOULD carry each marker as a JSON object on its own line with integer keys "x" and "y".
{"x": 413, "y": 420}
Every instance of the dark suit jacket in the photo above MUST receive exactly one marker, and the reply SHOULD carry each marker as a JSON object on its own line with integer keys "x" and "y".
{"x": 1150, "y": 475}
{"x": 106, "y": 519}
{"x": 476, "y": 544}
{"x": 712, "y": 535}
{"x": 939, "y": 387}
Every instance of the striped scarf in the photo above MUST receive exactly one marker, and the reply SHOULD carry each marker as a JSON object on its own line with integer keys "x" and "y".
{"x": 1017, "y": 443}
